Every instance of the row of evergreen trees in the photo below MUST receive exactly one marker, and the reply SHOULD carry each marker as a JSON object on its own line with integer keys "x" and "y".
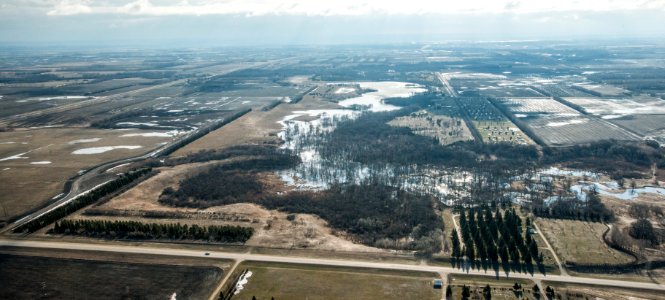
{"x": 491, "y": 236}
{"x": 82, "y": 201}
{"x": 139, "y": 230}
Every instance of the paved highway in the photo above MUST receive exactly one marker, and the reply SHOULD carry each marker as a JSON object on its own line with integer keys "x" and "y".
{"x": 129, "y": 249}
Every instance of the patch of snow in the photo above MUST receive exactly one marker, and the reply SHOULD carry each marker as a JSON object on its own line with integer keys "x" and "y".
{"x": 628, "y": 194}
{"x": 240, "y": 285}
{"x": 81, "y": 141}
{"x": 610, "y": 117}
{"x": 17, "y": 156}
{"x": 138, "y": 124}
{"x": 384, "y": 89}
{"x": 152, "y": 134}
{"x": 345, "y": 90}
{"x": 571, "y": 122}
{"x": 98, "y": 150}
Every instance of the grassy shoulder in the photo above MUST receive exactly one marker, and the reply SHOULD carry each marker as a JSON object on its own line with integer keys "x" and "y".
{"x": 581, "y": 292}
{"x": 501, "y": 288}
{"x": 286, "y": 281}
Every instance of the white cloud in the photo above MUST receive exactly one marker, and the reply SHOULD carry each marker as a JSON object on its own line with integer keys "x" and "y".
{"x": 342, "y": 7}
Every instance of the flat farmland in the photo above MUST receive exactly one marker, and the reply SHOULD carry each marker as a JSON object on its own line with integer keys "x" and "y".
{"x": 644, "y": 125}
{"x": 27, "y": 277}
{"x": 575, "y": 130}
{"x": 538, "y": 106}
{"x": 557, "y": 124}
{"x": 35, "y": 163}
{"x": 616, "y": 107}
{"x": 283, "y": 281}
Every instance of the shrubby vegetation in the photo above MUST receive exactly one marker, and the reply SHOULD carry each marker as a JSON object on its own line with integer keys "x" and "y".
{"x": 138, "y": 230}
{"x": 642, "y": 229}
{"x": 227, "y": 183}
{"x": 372, "y": 213}
{"x": 618, "y": 159}
{"x": 591, "y": 209}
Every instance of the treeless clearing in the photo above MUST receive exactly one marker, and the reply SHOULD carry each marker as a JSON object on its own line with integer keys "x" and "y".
{"x": 36, "y": 163}
{"x": 581, "y": 242}
{"x": 283, "y": 281}
{"x": 25, "y": 277}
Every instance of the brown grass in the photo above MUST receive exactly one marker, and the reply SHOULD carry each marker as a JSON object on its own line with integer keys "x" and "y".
{"x": 580, "y": 242}
{"x": 26, "y": 186}
{"x": 317, "y": 282}
{"x": 255, "y": 127}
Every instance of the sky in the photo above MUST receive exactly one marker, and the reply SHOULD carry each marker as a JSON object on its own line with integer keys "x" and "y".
{"x": 284, "y": 22}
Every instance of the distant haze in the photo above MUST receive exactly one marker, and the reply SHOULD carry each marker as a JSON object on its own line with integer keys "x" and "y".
{"x": 284, "y": 22}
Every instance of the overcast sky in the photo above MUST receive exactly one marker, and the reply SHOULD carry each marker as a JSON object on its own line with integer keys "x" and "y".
{"x": 245, "y": 22}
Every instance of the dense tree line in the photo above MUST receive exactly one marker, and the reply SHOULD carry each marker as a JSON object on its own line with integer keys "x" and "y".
{"x": 489, "y": 235}
{"x": 138, "y": 230}
{"x": 83, "y": 200}
{"x": 233, "y": 151}
{"x": 616, "y": 158}
{"x": 591, "y": 209}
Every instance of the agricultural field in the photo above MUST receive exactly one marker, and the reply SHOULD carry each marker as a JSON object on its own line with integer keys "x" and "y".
{"x": 490, "y": 123}
{"x": 603, "y": 90}
{"x": 283, "y": 281}
{"x": 560, "y": 90}
{"x": 581, "y": 242}
{"x": 36, "y": 163}
{"x": 557, "y": 124}
{"x": 567, "y": 131}
{"x": 610, "y": 108}
{"x": 30, "y": 277}
{"x": 503, "y": 131}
